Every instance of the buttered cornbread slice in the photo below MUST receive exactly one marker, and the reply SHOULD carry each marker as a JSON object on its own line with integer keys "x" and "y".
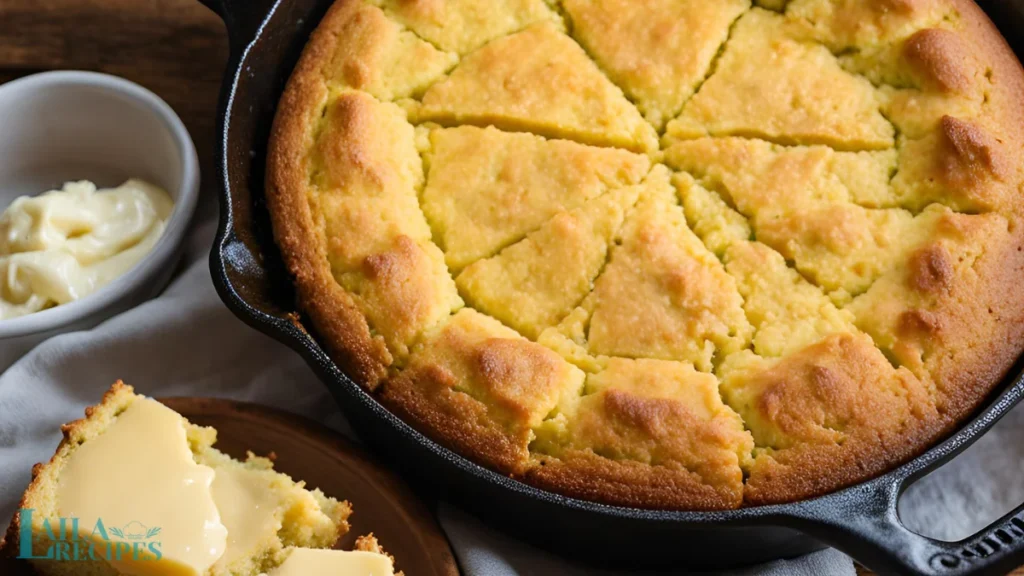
{"x": 540, "y": 81}
{"x": 152, "y": 496}
{"x": 547, "y": 232}
{"x": 646, "y": 431}
{"x": 659, "y": 52}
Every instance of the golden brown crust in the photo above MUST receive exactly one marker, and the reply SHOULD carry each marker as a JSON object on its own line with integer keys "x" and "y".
{"x": 941, "y": 59}
{"x": 369, "y": 543}
{"x": 828, "y": 416}
{"x": 583, "y": 474}
{"x": 427, "y": 397}
{"x": 942, "y": 304}
{"x": 480, "y": 387}
{"x": 333, "y": 314}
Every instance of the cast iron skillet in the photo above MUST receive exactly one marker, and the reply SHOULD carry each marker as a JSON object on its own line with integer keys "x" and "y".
{"x": 266, "y": 38}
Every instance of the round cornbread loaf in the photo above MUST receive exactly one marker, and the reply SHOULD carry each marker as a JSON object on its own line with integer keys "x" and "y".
{"x": 679, "y": 254}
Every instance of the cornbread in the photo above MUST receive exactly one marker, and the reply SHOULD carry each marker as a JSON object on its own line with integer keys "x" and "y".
{"x": 673, "y": 255}
{"x": 150, "y": 495}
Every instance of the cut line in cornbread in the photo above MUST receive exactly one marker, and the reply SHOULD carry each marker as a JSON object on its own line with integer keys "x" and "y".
{"x": 802, "y": 95}
{"x": 474, "y": 364}
{"x": 538, "y": 80}
{"x": 377, "y": 55}
{"x": 660, "y": 272}
{"x": 487, "y": 189}
{"x": 536, "y": 282}
{"x": 657, "y": 51}
{"x": 464, "y": 25}
{"x": 655, "y": 413}
{"x": 367, "y": 172}
{"x": 825, "y": 405}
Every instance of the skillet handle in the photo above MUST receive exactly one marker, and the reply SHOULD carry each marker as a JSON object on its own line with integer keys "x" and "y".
{"x": 863, "y": 522}
{"x": 242, "y": 19}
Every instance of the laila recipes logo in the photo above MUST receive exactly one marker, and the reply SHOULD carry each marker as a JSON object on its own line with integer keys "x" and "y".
{"x": 132, "y": 542}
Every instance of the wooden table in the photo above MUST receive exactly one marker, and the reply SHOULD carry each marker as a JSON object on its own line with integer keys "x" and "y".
{"x": 176, "y": 48}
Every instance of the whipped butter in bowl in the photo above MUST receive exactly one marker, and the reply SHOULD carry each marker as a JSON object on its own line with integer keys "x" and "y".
{"x": 75, "y": 257}
{"x": 65, "y": 244}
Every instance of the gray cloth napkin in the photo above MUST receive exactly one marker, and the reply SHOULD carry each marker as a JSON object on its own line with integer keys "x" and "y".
{"x": 186, "y": 343}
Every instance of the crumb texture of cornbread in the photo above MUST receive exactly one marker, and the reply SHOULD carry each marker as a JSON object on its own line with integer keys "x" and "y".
{"x": 263, "y": 511}
{"x": 672, "y": 254}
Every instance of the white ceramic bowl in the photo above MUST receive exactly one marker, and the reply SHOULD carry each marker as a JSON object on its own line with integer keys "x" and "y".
{"x": 67, "y": 125}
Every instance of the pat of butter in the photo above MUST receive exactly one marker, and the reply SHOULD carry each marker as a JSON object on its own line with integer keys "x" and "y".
{"x": 139, "y": 475}
{"x": 65, "y": 244}
{"x": 310, "y": 562}
{"x": 250, "y": 509}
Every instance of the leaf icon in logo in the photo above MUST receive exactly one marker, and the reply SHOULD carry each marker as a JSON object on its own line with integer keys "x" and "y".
{"x": 116, "y": 532}
{"x": 152, "y": 532}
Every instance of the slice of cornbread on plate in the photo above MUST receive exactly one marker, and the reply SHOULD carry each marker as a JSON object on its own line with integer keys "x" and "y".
{"x": 538, "y": 80}
{"x": 152, "y": 496}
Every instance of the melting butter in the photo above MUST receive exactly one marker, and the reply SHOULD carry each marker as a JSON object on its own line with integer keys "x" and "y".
{"x": 310, "y": 562}
{"x": 137, "y": 476}
{"x": 66, "y": 244}
{"x": 250, "y": 509}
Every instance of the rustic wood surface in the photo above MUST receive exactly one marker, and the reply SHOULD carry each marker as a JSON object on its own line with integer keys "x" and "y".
{"x": 176, "y": 48}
